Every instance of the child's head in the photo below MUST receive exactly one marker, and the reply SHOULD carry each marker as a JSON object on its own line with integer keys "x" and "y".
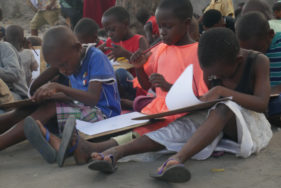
{"x": 15, "y": 36}
{"x": 86, "y": 31}
{"x": 116, "y": 21}
{"x": 34, "y": 40}
{"x": 212, "y": 18}
{"x": 173, "y": 18}
{"x": 253, "y": 32}
{"x": 142, "y": 15}
{"x": 218, "y": 53}
{"x": 61, "y": 49}
{"x": 277, "y": 10}
{"x": 258, "y": 5}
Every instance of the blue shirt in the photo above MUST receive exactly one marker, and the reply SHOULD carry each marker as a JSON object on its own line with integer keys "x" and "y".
{"x": 96, "y": 67}
{"x": 274, "y": 55}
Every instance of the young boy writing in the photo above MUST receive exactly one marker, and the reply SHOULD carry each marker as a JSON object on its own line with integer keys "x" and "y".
{"x": 93, "y": 85}
{"x": 86, "y": 30}
{"x": 167, "y": 61}
{"x": 240, "y": 121}
{"x": 254, "y": 33}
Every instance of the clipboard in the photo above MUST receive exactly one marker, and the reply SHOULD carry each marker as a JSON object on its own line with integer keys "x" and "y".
{"x": 188, "y": 109}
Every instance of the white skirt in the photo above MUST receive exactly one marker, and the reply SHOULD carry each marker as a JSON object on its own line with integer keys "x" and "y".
{"x": 253, "y": 130}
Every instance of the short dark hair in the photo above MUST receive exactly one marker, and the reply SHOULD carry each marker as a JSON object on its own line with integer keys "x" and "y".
{"x": 15, "y": 36}
{"x": 120, "y": 13}
{"x": 252, "y": 24}
{"x": 181, "y": 8}
{"x": 57, "y": 37}
{"x": 258, "y": 5}
{"x": 35, "y": 41}
{"x": 86, "y": 27}
{"x": 142, "y": 15}
{"x": 217, "y": 45}
{"x": 276, "y": 6}
{"x": 211, "y": 17}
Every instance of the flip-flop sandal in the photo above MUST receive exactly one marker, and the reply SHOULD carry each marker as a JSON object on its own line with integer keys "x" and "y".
{"x": 39, "y": 142}
{"x": 65, "y": 141}
{"x": 102, "y": 165}
{"x": 176, "y": 173}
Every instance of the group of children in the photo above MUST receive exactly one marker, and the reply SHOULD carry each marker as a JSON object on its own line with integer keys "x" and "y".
{"x": 242, "y": 65}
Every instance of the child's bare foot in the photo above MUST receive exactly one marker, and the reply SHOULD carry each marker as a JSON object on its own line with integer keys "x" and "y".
{"x": 54, "y": 141}
{"x": 82, "y": 153}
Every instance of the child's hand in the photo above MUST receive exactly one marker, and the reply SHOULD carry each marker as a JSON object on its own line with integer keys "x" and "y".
{"x": 138, "y": 59}
{"x": 212, "y": 94}
{"x": 45, "y": 92}
{"x": 157, "y": 80}
{"x": 118, "y": 51}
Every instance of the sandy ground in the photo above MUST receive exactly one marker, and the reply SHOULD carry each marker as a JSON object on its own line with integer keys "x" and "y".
{"x": 21, "y": 166}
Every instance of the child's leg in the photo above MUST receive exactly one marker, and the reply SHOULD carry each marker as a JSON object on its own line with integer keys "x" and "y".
{"x": 205, "y": 134}
{"x": 220, "y": 119}
{"x": 139, "y": 145}
{"x": 16, "y": 133}
{"x": 8, "y": 119}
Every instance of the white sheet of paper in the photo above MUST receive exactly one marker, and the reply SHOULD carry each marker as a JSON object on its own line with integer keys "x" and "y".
{"x": 181, "y": 93}
{"x": 114, "y": 63}
{"x": 35, "y": 74}
{"x": 109, "y": 124}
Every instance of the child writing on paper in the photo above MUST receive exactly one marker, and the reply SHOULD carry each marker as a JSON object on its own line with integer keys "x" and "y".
{"x": 122, "y": 42}
{"x": 244, "y": 75}
{"x": 93, "y": 85}
{"x": 164, "y": 68}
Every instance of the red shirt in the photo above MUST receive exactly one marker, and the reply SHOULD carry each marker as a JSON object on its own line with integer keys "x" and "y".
{"x": 155, "y": 28}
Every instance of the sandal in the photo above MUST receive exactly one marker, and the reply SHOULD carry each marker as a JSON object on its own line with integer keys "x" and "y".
{"x": 175, "y": 173}
{"x": 102, "y": 165}
{"x": 34, "y": 135}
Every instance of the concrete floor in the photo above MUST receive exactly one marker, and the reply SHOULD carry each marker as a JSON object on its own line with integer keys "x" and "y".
{"x": 21, "y": 166}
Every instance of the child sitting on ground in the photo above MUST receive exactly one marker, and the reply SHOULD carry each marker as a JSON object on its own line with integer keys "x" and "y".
{"x": 166, "y": 63}
{"x": 15, "y": 36}
{"x": 240, "y": 122}
{"x": 277, "y": 10}
{"x": 254, "y": 33}
{"x": 86, "y": 30}
{"x": 93, "y": 86}
{"x": 150, "y": 25}
{"x": 122, "y": 43}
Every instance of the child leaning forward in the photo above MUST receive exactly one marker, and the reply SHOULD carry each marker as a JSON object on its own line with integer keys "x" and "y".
{"x": 240, "y": 122}
{"x": 93, "y": 89}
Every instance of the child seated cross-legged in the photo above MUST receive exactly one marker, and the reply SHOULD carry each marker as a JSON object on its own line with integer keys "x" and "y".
{"x": 165, "y": 64}
{"x": 239, "y": 123}
{"x": 122, "y": 43}
{"x": 93, "y": 89}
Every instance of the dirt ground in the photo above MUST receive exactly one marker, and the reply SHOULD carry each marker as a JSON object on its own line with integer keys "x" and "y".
{"x": 21, "y": 166}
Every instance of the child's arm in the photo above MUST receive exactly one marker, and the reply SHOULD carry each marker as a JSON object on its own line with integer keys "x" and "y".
{"x": 138, "y": 59}
{"x": 90, "y": 97}
{"x": 276, "y": 89}
{"x": 256, "y": 102}
{"x": 43, "y": 78}
{"x": 157, "y": 80}
{"x": 118, "y": 51}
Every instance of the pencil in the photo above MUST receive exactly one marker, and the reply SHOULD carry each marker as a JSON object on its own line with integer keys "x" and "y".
{"x": 34, "y": 50}
{"x": 156, "y": 43}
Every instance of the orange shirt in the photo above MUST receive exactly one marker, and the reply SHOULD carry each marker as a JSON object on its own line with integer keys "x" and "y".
{"x": 171, "y": 61}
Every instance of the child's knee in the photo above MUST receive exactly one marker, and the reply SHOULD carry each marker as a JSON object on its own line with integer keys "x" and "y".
{"x": 223, "y": 112}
